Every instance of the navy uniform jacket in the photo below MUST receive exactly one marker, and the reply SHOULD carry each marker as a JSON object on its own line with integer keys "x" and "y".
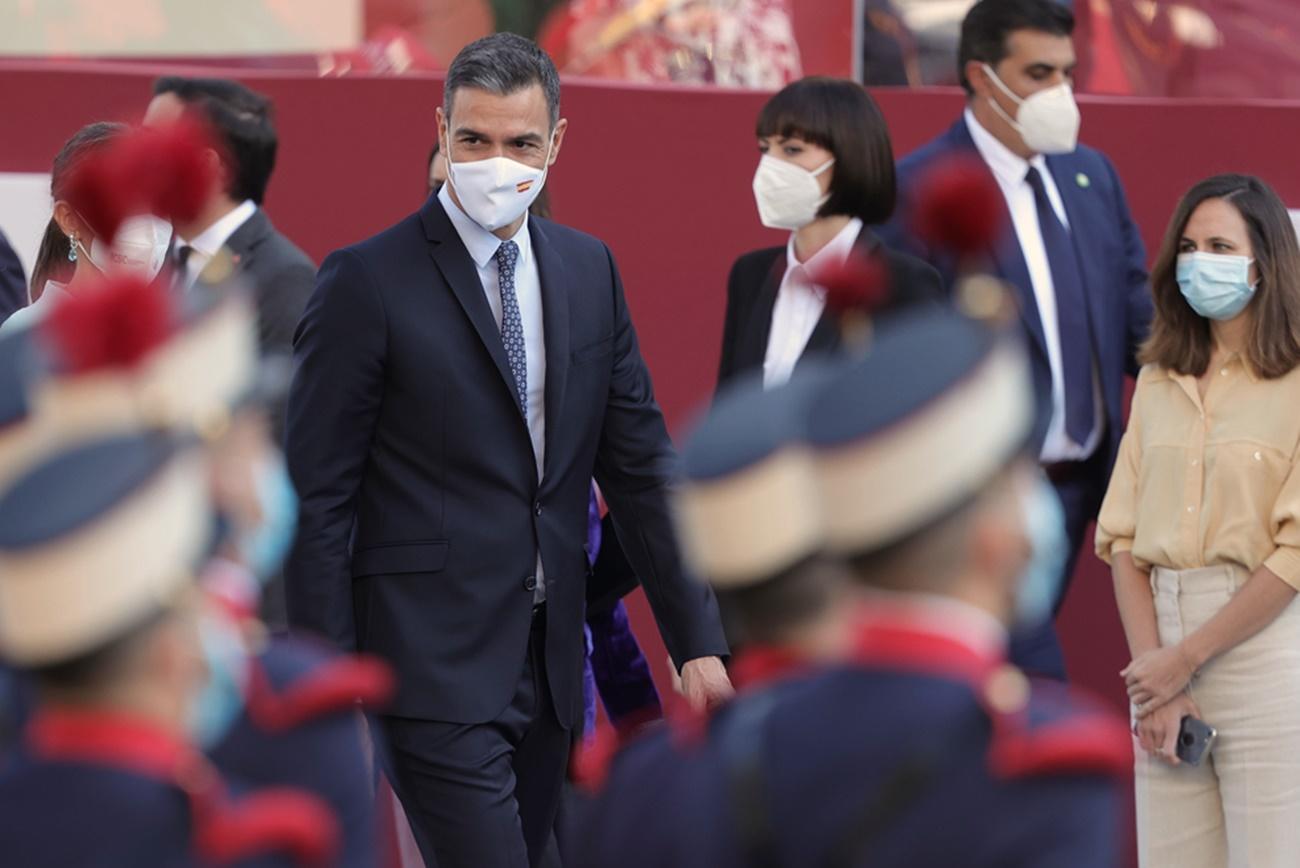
{"x": 1111, "y": 256}
{"x": 104, "y": 792}
{"x": 301, "y": 727}
{"x": 899, "y": 759}
{"x": 423, "y": 510}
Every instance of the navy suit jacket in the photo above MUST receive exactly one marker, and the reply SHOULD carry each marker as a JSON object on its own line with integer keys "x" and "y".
{"x": 1112, "y": 262}
{"x": 13, "y": 284}
{"x": 422, "y": 514}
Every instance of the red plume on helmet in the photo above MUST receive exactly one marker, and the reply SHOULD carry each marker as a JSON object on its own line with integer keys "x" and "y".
{"x": 112, "y": 325}
{"x": 166, "y": 171}
{"x": 855, "y": 288}
{"x": 860, "y": 283}
{"x": 173, "y": 166}
{"x": 958, "y": 207}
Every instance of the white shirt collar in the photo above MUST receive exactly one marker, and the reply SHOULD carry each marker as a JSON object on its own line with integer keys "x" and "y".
{"x": 482, "y": 244}
{"x": 1009, "y": 167}
{"x": 212, "y": 239}
{"x": 833, "y": 254}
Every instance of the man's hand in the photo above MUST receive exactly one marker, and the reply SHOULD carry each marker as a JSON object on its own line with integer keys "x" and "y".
{"x": 1157, "y": 677}
{"x": 705, "y": 683}
{"x": 1158, "y": 731}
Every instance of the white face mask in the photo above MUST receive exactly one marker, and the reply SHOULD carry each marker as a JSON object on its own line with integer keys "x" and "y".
{"x": 497, "y": 191}
{"x": 1048, "y": 120}
{"x": 140, "y": 248}
{"x": 788, "y": 196}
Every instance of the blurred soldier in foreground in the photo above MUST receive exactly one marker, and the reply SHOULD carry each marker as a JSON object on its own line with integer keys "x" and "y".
{"x": 899, "y": 735}
{"x": 98, "y": 549}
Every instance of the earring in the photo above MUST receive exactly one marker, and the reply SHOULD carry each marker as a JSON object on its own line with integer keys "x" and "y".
{"x": 72, "y": 248}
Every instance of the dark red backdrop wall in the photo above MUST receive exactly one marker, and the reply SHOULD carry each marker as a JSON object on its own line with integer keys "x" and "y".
{"x": 663, "y": 176}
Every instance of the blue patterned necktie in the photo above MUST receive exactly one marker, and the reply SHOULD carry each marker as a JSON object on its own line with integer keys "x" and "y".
{"x": 1071, "y": 316}
{"x": 512, "y": 324}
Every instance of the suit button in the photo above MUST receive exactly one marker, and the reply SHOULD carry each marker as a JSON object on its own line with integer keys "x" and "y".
{"x": 537, "y": 508}
{"x": 530, "y": 584}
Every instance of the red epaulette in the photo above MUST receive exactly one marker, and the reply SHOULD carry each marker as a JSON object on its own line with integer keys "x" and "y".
{"x": 269, "y": 821}
{"x": 1086, "y": 739}
{"x": 591, "y": 760}
{"x": 334, "y": 686}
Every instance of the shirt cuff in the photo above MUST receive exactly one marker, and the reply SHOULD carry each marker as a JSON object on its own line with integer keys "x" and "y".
{"x": 1285, "y": 564}
{"x": 1107, "y": 551}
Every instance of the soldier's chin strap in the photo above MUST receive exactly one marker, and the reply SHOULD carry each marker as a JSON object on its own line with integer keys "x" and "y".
{"x": 741, "y": 738}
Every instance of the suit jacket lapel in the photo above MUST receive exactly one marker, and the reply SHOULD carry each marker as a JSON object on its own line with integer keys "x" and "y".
{"x": 825, "y": 338}
{"x": 1007, "y": 255}
{"x": 244, "y": 240}
{"x": 1071, "y": 198}
{"x": 759, "y": 328}
{"x": 555, "y": 323}
{"x": 458, "y": 270}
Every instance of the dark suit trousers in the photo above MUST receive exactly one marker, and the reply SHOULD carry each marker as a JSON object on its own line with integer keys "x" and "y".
{"x": 1036, "y": 649}
{"x": 486, "y": 795}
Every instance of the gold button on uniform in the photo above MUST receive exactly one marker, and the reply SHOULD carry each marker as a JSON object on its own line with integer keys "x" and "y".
{"x": 1007, "y": 690}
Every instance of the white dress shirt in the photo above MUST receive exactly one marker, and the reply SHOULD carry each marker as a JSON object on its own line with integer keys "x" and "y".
{"x": 212, "y": 239}
{"x": 482, "y": 246}
{"x": 1010, "y": 170}
{"x": 800, "y": 303}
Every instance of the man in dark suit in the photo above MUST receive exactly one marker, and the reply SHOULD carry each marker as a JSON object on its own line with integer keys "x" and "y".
{"x": 1070, "y": 249}
{"x": 281, "y": 275}
{"x": 13, "y": 285}
{"x": 461, "y": 378}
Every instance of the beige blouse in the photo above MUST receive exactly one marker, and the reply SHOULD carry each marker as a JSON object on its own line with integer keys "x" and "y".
{"x": 1204, "y": 484}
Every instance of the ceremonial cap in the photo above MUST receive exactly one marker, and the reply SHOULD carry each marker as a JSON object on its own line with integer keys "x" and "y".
{"x": 910, "y": 432}
{"x": 96, "y": 539}
{"x": 747, "y": 505}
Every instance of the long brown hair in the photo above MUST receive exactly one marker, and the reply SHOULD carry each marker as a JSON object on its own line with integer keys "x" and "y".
{"x": 1180, "y": 338}
{"x": 52, "y": 262}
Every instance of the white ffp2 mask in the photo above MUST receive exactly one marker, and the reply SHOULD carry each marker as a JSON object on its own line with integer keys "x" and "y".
{"x": 139, "y": 248}
{"x": 497, "y": 191}
{"x": 1048, "y": 120}
{"x": 788, "y": 196}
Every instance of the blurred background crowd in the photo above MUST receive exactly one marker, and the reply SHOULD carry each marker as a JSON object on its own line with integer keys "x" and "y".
{"x": 1155, "y": 48}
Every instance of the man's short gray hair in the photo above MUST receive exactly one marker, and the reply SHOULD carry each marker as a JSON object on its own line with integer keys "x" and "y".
{"x": 503, "y": 63}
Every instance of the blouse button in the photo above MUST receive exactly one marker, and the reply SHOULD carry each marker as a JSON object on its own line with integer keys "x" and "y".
{"x": 1190, "y": 509}
{"x": 1259, "y": 457}
{"x": 1196, "y": 461}
{"x": 1223, "y": 371}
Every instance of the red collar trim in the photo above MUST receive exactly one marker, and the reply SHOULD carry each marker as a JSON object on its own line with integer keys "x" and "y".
{"x": 760, "y": 665}
{"x": 885, "y": 642}
{"x": 110, "y": 739}
{"x": 331, "y": 688}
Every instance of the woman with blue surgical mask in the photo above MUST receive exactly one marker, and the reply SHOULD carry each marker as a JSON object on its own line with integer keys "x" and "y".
{"x": 825, "y": 175}
{"x": 72, "y": 253}
{"x": 1201, "y": 527}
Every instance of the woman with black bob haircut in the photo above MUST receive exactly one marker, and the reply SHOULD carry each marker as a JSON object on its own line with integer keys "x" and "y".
{"x": 826, "y": 174}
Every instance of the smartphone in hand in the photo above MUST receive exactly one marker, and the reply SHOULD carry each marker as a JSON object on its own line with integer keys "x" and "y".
{"x": 1195, "y": 739}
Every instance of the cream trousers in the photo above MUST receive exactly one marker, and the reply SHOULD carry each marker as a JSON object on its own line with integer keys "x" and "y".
{"x": 1241, "y": 807}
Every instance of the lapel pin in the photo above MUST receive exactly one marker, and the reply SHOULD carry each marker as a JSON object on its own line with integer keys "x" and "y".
{"x": 1082, "y": 180}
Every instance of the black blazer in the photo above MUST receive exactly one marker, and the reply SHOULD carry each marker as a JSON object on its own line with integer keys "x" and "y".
{"x": 422, "y": 514}
{"x": 751, "y": 298}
